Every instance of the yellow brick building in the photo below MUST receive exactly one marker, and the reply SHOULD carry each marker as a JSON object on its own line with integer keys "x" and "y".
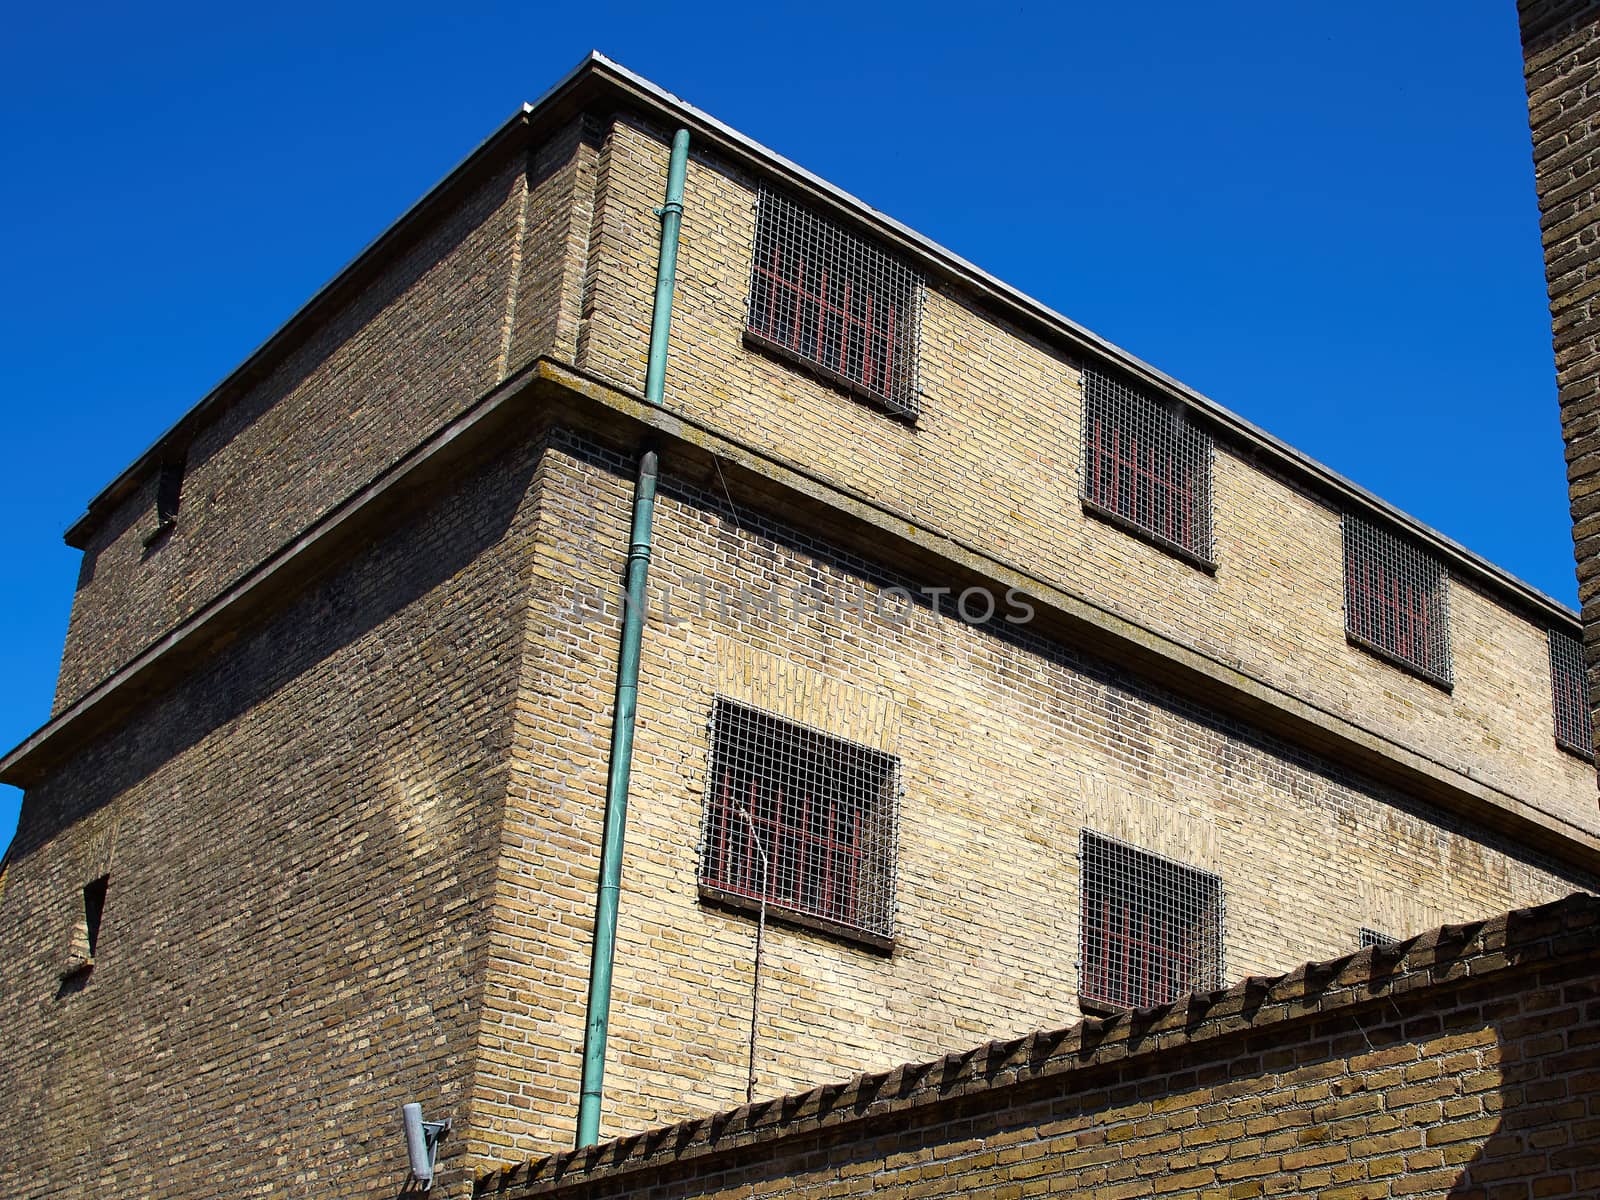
{"x": 1016, "y": 678}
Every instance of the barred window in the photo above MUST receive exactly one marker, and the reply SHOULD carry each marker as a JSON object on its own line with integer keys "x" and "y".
{"x": 1569, "y": 685}
{"x": 1146, "y": 465}
{"x": 1372, "y": 937}
{"x": 1395, "y": 599}
{"x": 1151, "y": 929}
{"x": 836, "y": 302}
{"x": 802, "y": 819}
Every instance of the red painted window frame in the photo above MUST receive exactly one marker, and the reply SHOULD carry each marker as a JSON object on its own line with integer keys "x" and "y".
{"x": 1132, "y": 955}
{"x": 827, "y": 309}
{"x": 820, "y": 857}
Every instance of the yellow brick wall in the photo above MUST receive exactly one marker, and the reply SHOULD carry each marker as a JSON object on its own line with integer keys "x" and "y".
{"x": 995, "y": 461}
{"x": 478, "y": 293}
{"x": 1009, "y": 746}
{"x": 530, "y": 1031}
{"x": 1455, "y": 1066}
{"x": 300, "y": 837}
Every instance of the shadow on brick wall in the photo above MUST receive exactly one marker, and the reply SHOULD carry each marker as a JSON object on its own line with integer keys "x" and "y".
{"x": 1547, "y": 22}
{"x": 397, "y": 569}
{"x": 1545, "y": 1140}
{"x": 302, "y": 831}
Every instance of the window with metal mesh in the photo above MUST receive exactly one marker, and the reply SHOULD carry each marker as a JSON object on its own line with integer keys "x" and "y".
{"x": 1145, "y": 462}
{"x": 804, "y": 820}
{"x": 1151, "y": 929}
{"x": 1396, "y": 600}
{"x": 1371, "y": 937}
{"x": 1569, "y": 685}
{"x": 836, "y": 301}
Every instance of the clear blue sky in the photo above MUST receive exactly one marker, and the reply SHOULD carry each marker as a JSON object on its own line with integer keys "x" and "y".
{"x": 1320, "y": 215}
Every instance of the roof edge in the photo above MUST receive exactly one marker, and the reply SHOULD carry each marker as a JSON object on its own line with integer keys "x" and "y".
{"x": 1297, "y": 462}
{"x": 652, "y": 98}
{"x": 503, "y": 139}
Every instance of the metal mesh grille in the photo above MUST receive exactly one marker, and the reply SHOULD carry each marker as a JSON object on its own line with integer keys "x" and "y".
{"x": 1152, "y": 928}
{"x": 835, "y": 301}
{"x": 1568, "y": 682}
{"x": 1395, "y": 599}
{"x": 1144, "y": 462}
{"x": 805, "y": 820}
{"x": 1371, "y": 937}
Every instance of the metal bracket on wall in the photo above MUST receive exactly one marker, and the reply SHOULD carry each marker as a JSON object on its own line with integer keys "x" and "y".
{"x": 422, "y": 1142}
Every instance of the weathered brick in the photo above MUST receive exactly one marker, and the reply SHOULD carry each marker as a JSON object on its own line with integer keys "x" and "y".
{"x": 354, "y": 846}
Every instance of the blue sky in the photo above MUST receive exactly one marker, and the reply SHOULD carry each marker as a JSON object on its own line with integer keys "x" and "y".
{"x": 1321, "y": 216}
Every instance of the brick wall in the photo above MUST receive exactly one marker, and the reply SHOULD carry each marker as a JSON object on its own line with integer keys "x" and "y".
{"x": 1561, "y": 49}
{"x": 555, "y": 255}
{"x": 352, "y": 860}
{"x": 1462, "y": 1064}
{"x": 356, "y": 847}
{"x": 448, "y": 318}
{"x": 994, "y": 461}
{"x": 299, "y": 840}
{"x": 1009, "y": 745}
{"x": 547, "y": 306}
{"x": 541, "y": 932}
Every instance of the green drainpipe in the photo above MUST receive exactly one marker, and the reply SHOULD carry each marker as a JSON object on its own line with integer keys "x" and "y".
{"x": 644, "y": 507}
{"x": 671, "y": 214}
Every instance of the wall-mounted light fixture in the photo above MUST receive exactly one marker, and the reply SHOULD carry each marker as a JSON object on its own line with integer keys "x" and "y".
{"x": 422, "y": 1142}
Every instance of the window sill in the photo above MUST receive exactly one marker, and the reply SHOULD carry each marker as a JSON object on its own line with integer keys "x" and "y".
{"x": 1101, "y": 513}
{"x": 737, "y": 902}
{"x": 162, "y": 529}
{"x": 1394, "y": 660}
{"x": 779, "y": 351}
{"x": 1098, "y": 1008}
{"x": 1583, "y": 752}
